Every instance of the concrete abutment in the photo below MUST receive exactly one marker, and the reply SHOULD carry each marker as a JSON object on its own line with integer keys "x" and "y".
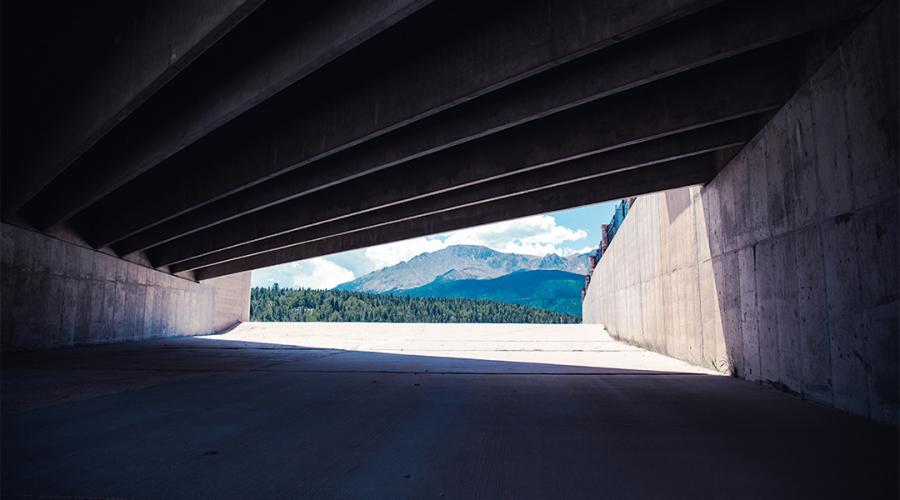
{"x": 783, "y": 269}
{"x": 58, "y": 294}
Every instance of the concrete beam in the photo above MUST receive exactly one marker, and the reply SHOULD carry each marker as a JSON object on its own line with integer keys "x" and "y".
{"x": 165, "y": 38}
{"x": 671, "y": 106}
{"x": 729, "y": 136}
{"x": 686, "y": 171}
{"x": 225, "y": 93}
{"x": 720, "y": 33}
{"x": 501, "y": 47}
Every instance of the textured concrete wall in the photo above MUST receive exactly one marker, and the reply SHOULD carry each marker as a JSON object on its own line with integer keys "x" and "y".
{"x": 784, "y": 268}
{"x": 58, "y": 294}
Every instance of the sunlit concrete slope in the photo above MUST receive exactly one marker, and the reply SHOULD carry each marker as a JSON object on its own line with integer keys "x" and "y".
{"x": 558, "y": 348}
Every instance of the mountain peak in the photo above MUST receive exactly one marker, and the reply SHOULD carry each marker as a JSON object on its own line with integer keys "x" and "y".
{"x": 552, "y": 261}
{"x": 458, "y": 262}
{"x": 470, "y": 250}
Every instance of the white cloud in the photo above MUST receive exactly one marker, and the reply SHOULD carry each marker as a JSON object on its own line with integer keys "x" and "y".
{"x": 582, "y": 250}
{"x": 534, "y": 235}
{"x": 394, "y": 253}
{"x": 318, "y": 272}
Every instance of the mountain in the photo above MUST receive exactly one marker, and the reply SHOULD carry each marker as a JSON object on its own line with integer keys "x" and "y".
{"x": 543, "y": 289}
{"x": 459, "y": 262}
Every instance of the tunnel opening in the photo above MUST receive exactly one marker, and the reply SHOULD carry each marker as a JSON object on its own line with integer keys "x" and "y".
{"x": 737, "y": 317}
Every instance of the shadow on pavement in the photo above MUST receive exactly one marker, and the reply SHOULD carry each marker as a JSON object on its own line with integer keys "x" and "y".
{"x": 210, "y": 418}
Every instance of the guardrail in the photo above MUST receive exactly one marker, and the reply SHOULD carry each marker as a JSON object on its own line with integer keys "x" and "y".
{"x": 607, "y": 232}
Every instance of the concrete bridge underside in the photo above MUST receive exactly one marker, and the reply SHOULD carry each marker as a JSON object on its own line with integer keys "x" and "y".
{"x": 278, "y": 131}
{"x": 211, "y": 139}
{"x": 155, "y": 152}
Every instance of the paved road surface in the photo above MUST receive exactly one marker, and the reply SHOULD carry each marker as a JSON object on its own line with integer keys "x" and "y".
{"x": 416, "y": 411}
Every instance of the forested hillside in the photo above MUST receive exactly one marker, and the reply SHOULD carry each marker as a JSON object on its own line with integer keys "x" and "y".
{"x": 284, "y": 304}
{"x": 551, "y": 290}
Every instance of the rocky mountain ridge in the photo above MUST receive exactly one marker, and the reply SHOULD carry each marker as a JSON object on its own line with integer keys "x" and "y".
{"x": 460, "y": 262}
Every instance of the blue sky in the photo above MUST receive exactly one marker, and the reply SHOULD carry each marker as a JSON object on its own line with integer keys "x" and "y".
{"x": 565, "y": 232}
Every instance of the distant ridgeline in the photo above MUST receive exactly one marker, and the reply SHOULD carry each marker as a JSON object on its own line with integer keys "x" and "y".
{"x": 551, "y": 290}
{"x": 285, "y": 304}
{"x": 476, "y": 272}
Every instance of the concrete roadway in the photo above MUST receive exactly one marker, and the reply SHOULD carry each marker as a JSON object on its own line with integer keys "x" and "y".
{"x": 418, "y": 411}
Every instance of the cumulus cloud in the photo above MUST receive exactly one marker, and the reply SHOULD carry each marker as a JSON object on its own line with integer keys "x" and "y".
{"x": 394, "y": 253}
{"x": 534, "y": 235}
{"x": 318, "y": 272}
{"x": 582, "y": 250}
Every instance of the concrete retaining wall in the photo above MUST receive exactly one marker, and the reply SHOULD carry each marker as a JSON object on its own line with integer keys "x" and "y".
{"x": 58, "y": 294}
{"x": 784, "y": 268}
